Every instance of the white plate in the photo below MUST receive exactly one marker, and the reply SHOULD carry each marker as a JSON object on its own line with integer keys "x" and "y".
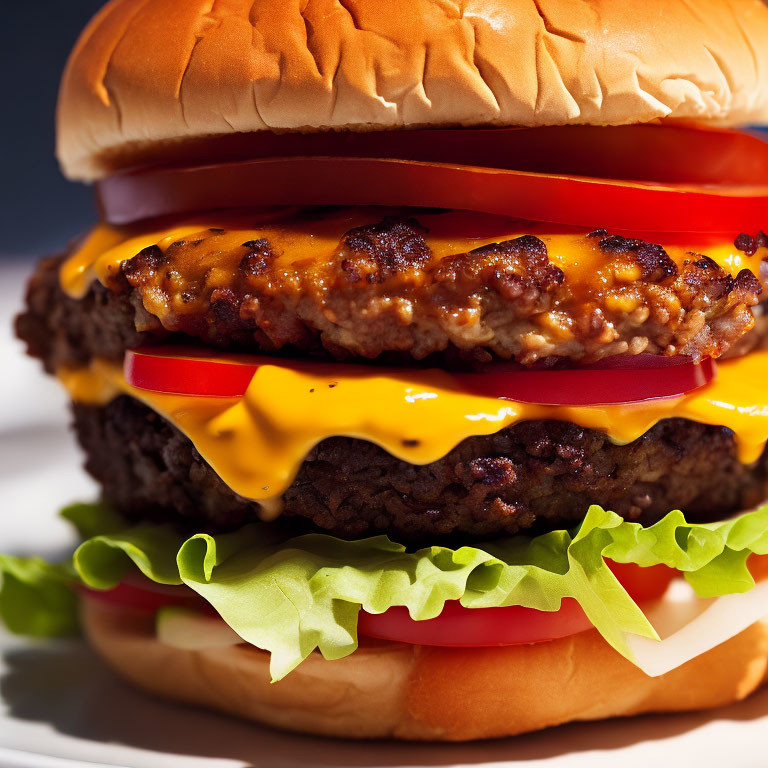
{"x": 61, "y": 708}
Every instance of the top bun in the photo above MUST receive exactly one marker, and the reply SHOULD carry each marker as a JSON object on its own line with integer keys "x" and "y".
{"x": 152, "y": 71}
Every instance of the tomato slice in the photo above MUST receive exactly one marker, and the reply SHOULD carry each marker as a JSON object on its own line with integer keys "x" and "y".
{"x": 643, "y": 583}
{"x": 462, "y": 627}
{"x": 147, "y": 597}
{"x": 181, "y": 371}
{"x": 636, "y": 382}
{"x": 458, "y": 626}
{"x": 669, "y": 154}
{"x": 758, "y": 566}
{"x": 674, "y": 179}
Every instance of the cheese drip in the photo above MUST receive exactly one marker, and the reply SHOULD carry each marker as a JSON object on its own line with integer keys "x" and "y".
{"x": 105, "y": 248}
{"x": 256, "y": 443}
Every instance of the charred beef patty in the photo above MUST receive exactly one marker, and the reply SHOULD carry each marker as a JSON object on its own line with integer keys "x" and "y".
{"x": 382, "y": 291}
{"x": 535, "y": 475}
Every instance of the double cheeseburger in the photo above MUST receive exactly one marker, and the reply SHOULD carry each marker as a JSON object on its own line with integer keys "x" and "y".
{"x": 420, "y": 356}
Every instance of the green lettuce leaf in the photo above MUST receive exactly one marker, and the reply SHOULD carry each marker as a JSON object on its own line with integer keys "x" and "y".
{"x": 291, "y": 596}
{"x": 36, "y": 598}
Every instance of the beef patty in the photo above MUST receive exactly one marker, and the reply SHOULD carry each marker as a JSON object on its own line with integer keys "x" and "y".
{"x": 393, "y": 290}
{"x": 536, "y": 475}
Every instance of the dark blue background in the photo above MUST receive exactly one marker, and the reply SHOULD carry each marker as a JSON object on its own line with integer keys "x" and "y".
{"x": 39, "y": 210}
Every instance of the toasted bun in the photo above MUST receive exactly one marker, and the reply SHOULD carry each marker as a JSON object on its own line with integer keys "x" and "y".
{"x": 148, "y": 71}
{"x": 393, "y": 690}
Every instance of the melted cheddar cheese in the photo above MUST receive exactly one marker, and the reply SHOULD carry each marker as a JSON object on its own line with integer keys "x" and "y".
{"x": 295, "y": 239}
{"x": 256, "y": 443}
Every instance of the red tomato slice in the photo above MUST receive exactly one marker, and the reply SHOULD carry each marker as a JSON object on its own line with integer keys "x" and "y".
{"x": 709, "y": 156}
{"x": 462, "y": 627}
{"x": 182, "y": 371}
{"x": 643, "y": 584}
{"x": 645, "y": 377}
{"x": 673, "y": 179}
{"x": 458, "y": 626}
{"x": 758, "y": 566}
{"x": 143, "y": 598}
{"x": 139, "y": 592}
{"x": 636, "y": 382}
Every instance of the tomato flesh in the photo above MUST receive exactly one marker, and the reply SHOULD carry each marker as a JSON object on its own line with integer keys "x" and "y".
{"x": 758, "y": 566}
{"x": 689, "y": 180}
{"x": 142, "y": 599}
{"x": 139, "y": 592}
{"x": 593, "y": 385}
{"x": 181, "y": 371}
{"x": 643, "y": 583}
{"x": 458, "y": 626}
{"x": 185, "y": 372}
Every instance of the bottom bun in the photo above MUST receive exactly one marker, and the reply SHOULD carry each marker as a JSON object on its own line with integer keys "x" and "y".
{"x": 394, "y": 690}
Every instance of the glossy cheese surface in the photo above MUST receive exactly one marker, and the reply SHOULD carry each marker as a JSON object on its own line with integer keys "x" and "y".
{"x": 298, "y": 239}
{"x": 257, "y": 442}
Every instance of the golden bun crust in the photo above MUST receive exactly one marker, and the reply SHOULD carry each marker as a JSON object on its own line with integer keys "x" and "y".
{"x": 147, "y": 71}
{"x": 393, "y": 690}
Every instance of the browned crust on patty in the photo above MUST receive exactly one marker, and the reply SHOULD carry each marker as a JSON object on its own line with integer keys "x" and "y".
{"x": 382, "y": 294}
{"x": 63, "y": 331}
{"x": 536, "y": 475}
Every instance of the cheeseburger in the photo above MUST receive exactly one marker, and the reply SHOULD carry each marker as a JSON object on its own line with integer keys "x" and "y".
{"x": 420, "y": 354}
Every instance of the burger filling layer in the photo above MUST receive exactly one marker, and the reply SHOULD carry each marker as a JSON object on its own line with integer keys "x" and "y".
{"x": 362, "y": 450}
{"x": 409, "y": 451}
{"x": 539, "y": 475}
{"x": 452, "y": 288}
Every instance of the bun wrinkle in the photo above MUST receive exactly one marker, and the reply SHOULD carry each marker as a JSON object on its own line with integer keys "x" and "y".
{"x": 149, "y": 71}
